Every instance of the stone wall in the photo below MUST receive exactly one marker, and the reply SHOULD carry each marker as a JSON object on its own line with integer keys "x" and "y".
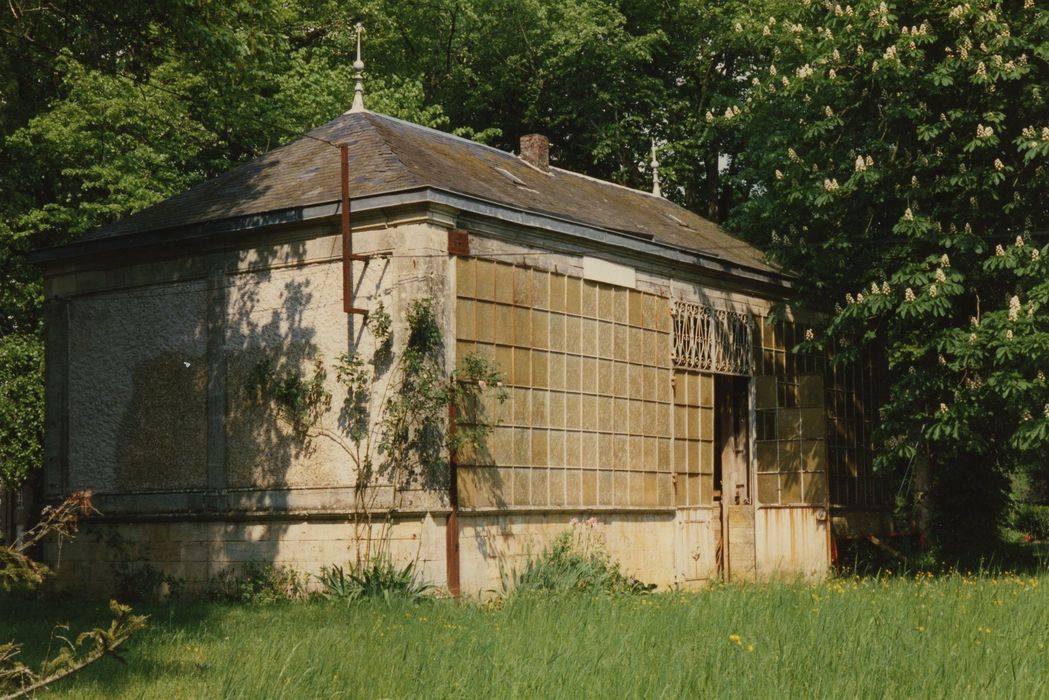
{"x": 197, "y": 552}
{"x": 157, "y": 372}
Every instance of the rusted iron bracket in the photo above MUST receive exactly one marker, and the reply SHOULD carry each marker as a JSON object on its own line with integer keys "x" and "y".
{"x": 451, "y": 530}
{"x": 348, "y": 256}
{"x": 458, "y": 242}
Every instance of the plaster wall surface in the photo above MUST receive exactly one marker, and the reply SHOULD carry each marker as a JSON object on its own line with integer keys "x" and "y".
{"x": 286, "y": 304}
{"x": 494, "y": 547}
{"x": 137, "y": 388}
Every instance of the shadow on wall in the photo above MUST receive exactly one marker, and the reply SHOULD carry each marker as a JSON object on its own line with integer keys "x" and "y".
{"x": 196, "y": 358}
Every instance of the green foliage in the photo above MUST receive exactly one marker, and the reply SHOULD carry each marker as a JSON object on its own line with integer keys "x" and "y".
{"x": 575, "y": 562}
{"x": 895, "y": 163}
{"x": 259, "y": 583}
{"x": 406, "y": 439}
{"x": 19, "y": 680}
{"x": 1031, "y": 519}
{"x": 21, "y": 407}
{"x": 141, "y": 581}
{"x": 19, "y": 571}
{"x": 377, "y": 579}
{"x": 299, "y": 400}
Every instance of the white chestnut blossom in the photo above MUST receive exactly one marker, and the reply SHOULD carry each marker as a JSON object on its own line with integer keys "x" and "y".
{"x": 1014, "y": 308}
{"x": 908, "y": 294}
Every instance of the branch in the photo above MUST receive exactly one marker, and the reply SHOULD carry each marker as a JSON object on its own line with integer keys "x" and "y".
{"x": 106, "y": 644}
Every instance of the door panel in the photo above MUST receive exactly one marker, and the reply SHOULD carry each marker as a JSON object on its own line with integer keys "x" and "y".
{"x": 791, "y": 525}
{"x": 733, "y": 474}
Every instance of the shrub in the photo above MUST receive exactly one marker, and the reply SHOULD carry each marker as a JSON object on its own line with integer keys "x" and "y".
{"x": 139, "y": 581}
{"x": 576, "y": 562}
{"x": 1031, "y": 519}
{"x": 378, "y": 579}
{"x": 259, "y": 583}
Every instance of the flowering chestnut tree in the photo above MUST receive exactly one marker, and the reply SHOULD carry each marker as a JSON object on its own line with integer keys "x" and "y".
{"x": 896, "y": 160}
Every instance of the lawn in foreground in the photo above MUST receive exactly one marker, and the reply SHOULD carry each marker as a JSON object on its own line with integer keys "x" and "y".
{"x": 950, "y": 636}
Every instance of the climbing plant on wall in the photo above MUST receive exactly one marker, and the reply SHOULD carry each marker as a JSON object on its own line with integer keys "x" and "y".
{"x": 393, "y": 423}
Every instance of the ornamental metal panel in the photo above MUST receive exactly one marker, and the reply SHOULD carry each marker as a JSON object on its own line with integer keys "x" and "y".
{"x": 712, "y": 340}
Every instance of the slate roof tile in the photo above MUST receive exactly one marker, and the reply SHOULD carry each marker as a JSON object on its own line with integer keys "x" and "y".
{"x": 389, "y": 155}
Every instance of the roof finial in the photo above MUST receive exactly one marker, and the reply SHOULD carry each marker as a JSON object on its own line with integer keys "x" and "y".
{"x": 655, "y": 172}
{"x": 358, "y": 65}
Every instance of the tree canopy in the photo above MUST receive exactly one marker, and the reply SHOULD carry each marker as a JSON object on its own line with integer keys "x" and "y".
{"x": 896, "y": 157}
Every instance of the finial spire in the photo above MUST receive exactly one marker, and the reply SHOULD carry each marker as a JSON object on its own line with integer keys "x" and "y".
{"x": 655, "y": 172}
{"x": 358, "y": 65}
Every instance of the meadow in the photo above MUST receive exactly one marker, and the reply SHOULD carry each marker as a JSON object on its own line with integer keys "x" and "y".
{"x": 959, "y": 636}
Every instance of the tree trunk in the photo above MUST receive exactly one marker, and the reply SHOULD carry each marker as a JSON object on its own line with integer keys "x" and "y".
{"x": 922, "y": 484}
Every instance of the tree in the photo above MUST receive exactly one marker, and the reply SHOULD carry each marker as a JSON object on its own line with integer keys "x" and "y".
{"x": 896, "y": 159}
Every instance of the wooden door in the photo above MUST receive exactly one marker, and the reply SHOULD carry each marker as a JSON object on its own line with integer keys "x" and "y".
{"x": 732, "y": 476}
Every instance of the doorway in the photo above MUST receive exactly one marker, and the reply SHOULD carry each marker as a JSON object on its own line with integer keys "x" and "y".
{"x": 732, "y": 476}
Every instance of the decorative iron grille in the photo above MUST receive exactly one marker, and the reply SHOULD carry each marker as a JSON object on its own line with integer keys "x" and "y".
{"x": 712, "y": 340}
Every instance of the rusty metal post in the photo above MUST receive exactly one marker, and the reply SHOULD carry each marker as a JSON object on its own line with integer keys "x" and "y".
{"x": 347, "y": 242}
{"x": 451, "y": 531}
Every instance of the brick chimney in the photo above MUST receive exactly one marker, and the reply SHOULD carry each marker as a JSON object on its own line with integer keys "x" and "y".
{"x": 535, "y": 150}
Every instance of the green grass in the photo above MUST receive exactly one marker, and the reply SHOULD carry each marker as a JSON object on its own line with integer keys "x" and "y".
{"x": 954, "y": 636}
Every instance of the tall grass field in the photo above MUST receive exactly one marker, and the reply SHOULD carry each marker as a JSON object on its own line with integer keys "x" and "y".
{"x": 949, "y": 636}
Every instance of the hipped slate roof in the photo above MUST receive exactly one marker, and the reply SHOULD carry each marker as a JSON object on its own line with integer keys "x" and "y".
{"x": 388, "y": 155}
